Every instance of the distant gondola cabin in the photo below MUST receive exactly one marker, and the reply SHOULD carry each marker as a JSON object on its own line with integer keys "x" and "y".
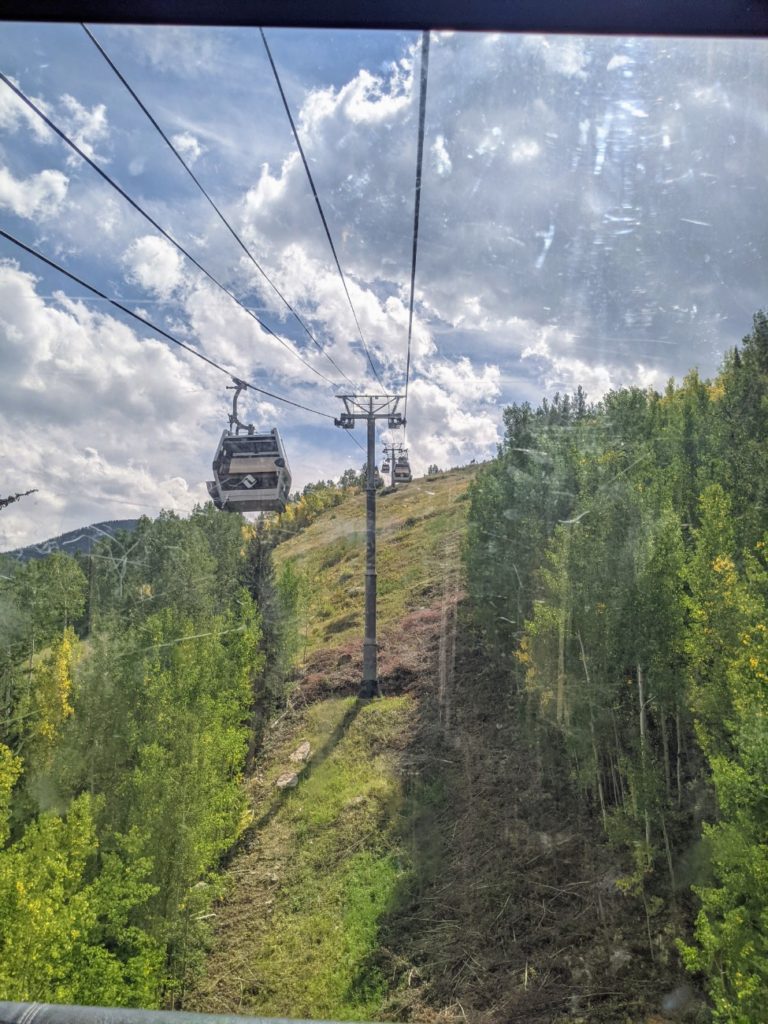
{"x": 402, "y": 470}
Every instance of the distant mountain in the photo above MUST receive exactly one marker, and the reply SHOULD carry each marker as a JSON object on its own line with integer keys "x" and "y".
{"x": 82, "y": 540}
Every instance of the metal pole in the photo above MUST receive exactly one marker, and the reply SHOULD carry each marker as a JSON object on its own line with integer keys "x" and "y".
{"x": 370, "y": 685}
{"x": 48, "y": 1013}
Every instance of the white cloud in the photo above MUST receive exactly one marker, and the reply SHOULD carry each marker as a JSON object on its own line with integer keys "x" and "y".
{"x": 270, "y": 189}
{"x": 444, "y": 429}
{"x": 185, "y": 51}
{"x": 550, "y": 226}
{"x": 490, "y": 141}
{"x": 87, "y": 127}
{"x": 366, "y": 99}
{"x": 14, "y": 113}
{"x": 464, "y": 382}
{"x": 562, "y": 371}
{"x": 234, "y": 338}
{"x": 153, "y": 263}
{"x": 39, "y": 195}
{"x": 113, "y": 424}
{"x": 189, "y": 147}
{"x": 312, "y": 284}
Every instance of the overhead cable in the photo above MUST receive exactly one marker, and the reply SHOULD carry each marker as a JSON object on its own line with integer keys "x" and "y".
{"x": 319, "y": 204}
{"x": 216, "y": 209}
{"x": 177, "y": 245}
{"x": 159, "y": 330}
{"x": 417, "y": 201}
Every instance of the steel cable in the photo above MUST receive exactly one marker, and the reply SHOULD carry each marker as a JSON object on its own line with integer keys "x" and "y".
{"x": 216, "y": 209}
{"x": 159, "y": 330}
{"x": 319, "y": 204}
{"x": 416, "y": 207}
{"x": 177, "y": 245}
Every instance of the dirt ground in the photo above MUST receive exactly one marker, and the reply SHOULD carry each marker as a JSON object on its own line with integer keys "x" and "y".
{"x": 515, "y": 913}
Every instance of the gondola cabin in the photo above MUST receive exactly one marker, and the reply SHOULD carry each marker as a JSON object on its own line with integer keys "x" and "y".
{"x": 402, "y": 470}
{"x": 250, "y": 473}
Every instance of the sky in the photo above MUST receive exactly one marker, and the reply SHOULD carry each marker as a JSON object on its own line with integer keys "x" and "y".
{"x": 592, "y": 214}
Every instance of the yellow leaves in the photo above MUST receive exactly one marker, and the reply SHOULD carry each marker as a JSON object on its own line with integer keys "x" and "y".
{"x": 716, "y": 390}
{"x": 53, "y": 687}
{"x": 723, "y": 565}
{"x": 10, "y": 770}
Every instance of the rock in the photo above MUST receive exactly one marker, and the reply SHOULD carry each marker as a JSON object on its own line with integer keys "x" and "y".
{"x": 301, "y": 753}
{"x": 288, "y": 780}
{"x": 676, "y": 1002}
{"x": 620, "y": 957}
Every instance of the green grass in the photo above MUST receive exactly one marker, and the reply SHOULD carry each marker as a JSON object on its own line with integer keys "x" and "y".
{"x": 334, "y": 845}
{"x": 415, "y": 528}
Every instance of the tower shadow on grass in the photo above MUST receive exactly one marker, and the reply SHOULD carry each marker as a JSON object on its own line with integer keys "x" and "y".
{"x": 317, "y": 760}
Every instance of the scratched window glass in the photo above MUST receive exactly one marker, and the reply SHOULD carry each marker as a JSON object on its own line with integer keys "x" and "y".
{"x": 383, "y": 586}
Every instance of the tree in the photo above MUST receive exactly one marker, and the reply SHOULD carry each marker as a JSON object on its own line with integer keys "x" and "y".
{"x": 65, "y": 935}
{"x": 732, "y": 924}
{"x": 50, "y": 594}
{"x": 349, "y": 478}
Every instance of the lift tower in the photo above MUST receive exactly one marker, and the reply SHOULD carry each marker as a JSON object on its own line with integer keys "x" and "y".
{"x": 370, "y": 408}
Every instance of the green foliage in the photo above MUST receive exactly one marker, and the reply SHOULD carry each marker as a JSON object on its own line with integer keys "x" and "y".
{"x": 140, "y": 740}
{"x": 282, "y": 601}
{"x": 48, "y": 595}
{"x": 732, "y": 925}
{"x": 616, "y": 567}
{"x": 306, "y": 507}
{"x": 10, "y": 770}
{"x": 66, "y": 938}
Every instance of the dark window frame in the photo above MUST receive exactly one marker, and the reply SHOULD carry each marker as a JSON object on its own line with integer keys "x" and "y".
{"x": 730, "y": 18}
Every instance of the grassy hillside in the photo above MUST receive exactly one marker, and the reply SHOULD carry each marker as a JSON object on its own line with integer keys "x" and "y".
{"x": 418, "y": 528}
{"x": 326, "y": 862}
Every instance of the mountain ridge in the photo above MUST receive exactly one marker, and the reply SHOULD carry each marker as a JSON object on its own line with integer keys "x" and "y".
{"x": 80, "y": 540}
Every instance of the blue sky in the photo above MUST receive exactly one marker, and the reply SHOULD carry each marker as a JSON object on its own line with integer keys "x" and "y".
{"x": 592, "y": 214}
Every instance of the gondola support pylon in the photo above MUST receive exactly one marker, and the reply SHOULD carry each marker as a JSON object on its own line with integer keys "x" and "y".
{"x": 370, "y": 408}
